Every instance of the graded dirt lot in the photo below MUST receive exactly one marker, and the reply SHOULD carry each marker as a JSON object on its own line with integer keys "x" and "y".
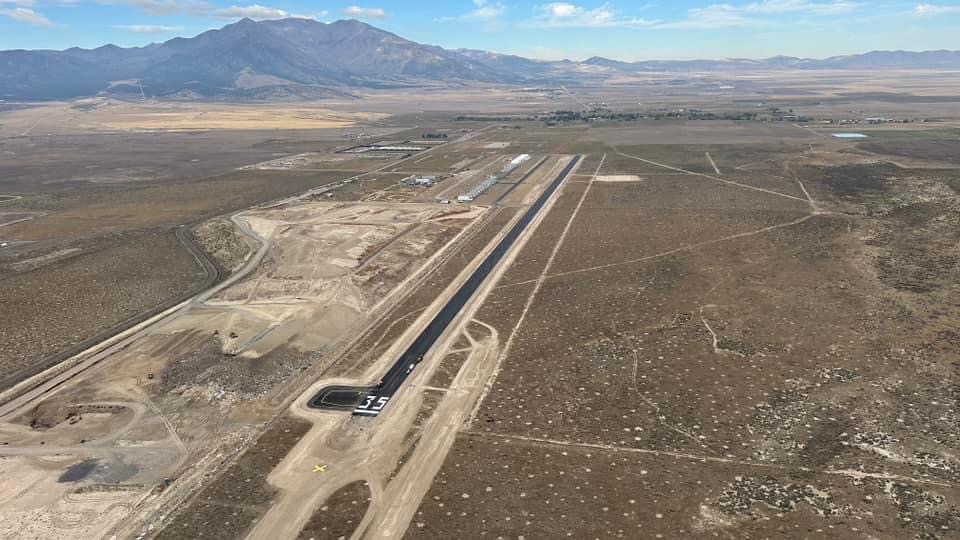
{"x": 331, "y": 263}
{"x": 198, "y": 386}
{"x": 96, "y": 259}
{"x": 89, "y": 238}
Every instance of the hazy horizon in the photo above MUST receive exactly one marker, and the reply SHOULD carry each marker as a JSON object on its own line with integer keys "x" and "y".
{"x": 550, "y": 31}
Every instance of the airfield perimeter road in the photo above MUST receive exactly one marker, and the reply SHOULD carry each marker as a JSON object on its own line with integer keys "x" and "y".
{"x": 374, "y": 400}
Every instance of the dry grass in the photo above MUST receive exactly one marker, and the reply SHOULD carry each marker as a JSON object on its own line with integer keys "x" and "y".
{"x": 222, "y": 117}
{"x": 106, "y": 115}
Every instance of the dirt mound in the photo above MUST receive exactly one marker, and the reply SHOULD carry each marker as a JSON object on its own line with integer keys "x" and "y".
{"x": 50, "y": 414}
{"x": 220, "y": 238}
{"x": 223, "y": 376}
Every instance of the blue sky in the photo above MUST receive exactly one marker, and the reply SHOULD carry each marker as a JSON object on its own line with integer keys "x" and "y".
{"x": 551, "y": 30}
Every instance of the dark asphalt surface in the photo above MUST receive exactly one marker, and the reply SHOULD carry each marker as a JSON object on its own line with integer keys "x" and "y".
{"x": 371, "y": 401}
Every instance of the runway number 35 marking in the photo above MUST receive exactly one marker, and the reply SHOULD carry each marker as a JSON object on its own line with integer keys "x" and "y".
{"x": 375, "y": 404}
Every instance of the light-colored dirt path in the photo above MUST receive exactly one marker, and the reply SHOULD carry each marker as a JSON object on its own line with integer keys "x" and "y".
{"x": 711, "y": 177}
{"x": 713, "y": 163}
{"x": 820, "y": 134}
{"x": 854, "y": 474}
{"x": 688, "y": 247}
{"x": 813, "y": 204}
{"x": 404, "y": 493}
{"x": 814, "y": 209}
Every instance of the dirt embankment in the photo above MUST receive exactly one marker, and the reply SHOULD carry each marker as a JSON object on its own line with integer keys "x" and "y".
{"x": 222, "y": 240}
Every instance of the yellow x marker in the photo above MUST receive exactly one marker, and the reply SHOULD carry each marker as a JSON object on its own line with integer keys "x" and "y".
{"x": 319, "y": 468}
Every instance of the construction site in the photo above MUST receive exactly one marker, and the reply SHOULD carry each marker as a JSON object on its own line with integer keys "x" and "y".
{"x": 126, "y": 429}
{"x": 509, "y": 329}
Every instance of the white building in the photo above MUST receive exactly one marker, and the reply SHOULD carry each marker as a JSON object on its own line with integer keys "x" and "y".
{"x": 493, "y": 179}
{"x": 520, "y": 159}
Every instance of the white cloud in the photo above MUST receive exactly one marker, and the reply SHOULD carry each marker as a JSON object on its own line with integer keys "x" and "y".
{"x": 802, "y": 6}
{"x": 164, "y": 7}
{"x": 26, "y": 16}
{"x": 257, "y": 12}
{"x": 484, "y": 12}
{"x": 564, "y": 10}
{"x": 357, "y": 12}
{"x": 715, "y": 16}
{"x": 567, "y": 15}
{"x": 720, "y": 15}
{"x": 757, "y": 13}
{"x": 926, "y": 10}
{"x": 148, "y": 28}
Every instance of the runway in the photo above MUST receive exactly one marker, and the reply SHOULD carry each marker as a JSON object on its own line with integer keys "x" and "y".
{"x": 371, "y": 401}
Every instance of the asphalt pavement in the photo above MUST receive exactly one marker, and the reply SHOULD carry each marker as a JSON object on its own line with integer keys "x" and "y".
{"x": 372, "y": 401}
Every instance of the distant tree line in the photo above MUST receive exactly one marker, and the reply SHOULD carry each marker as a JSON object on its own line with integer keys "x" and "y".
{"x": 602, "y": 114}
{"x": 564, "y": 116}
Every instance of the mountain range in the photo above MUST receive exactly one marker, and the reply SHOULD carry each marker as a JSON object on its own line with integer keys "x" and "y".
{"x": 303, "y": 58}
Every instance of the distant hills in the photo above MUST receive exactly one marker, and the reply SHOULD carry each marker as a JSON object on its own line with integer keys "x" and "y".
{"x": 306, "y": 59}
{"x": 872, "y": 60}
